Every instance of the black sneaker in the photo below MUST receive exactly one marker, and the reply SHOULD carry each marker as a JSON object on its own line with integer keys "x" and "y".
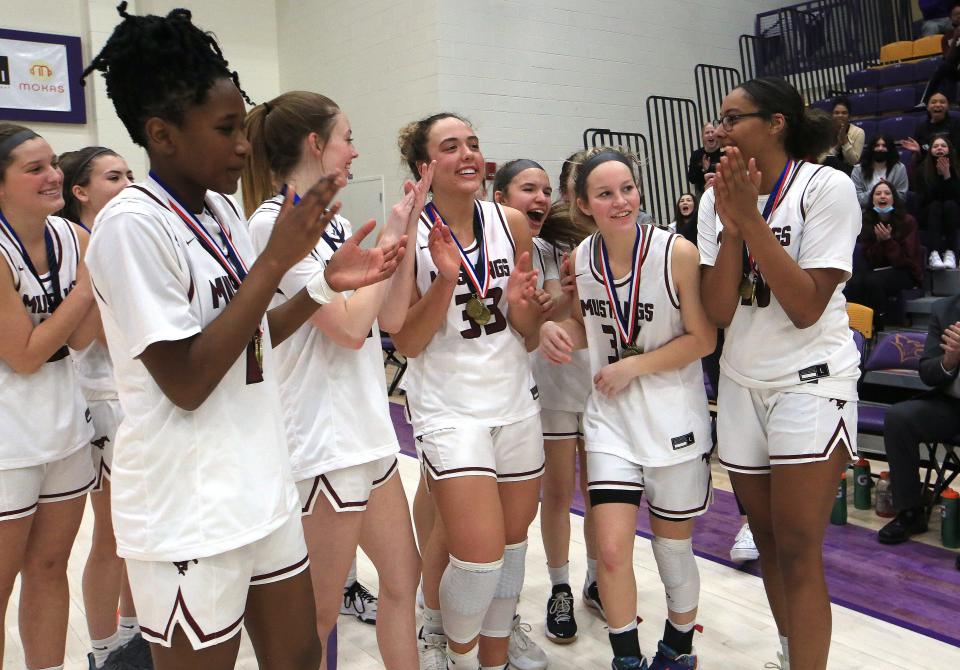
{"x": 628, "y": 662}
{"x": 908, "y": 522}
{"x": 134, "y": 655}
{"x": 561, "y": 624}
{"x": 591, "y": 598}
{"x": 359, "y": 602}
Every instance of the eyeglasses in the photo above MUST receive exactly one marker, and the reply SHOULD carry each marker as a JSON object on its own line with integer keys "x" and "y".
{"x": 728, "y": 121}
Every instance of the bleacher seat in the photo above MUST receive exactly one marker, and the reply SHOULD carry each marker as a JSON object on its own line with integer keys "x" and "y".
{"x": 901, "y": 126}
{"x": 898, "y": 99}
{"x": 906, "y": 157}
{"x": 927, "y": 46}
{"x": 869, "y": 126}
{"x": 826, "y": 105}
{"x": 864, "y": 104}
{"x": 927, "y": 66}
{"x": 896, "y": 51}
{"x": 861, "y": 319}
{"x": 898, "y": 74}
{"x": 869, "y": 78}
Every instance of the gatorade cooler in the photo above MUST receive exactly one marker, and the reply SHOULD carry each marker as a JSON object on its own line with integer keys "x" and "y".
{"x": 861, "y": 484}
{"x": 838, "y": 517}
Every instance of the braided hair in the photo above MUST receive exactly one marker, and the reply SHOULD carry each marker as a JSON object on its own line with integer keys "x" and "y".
{"x": 159, "y": 66}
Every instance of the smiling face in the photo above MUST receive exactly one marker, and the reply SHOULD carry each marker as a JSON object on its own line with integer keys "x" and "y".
{"x": 611, "y": 197}
{"x": 33, "y": 181}
{"x": 685, "y": 204}
{"x": 210, "y": 146}
{"x": 709, "y": 136}
{"x": 338, "y": 152}
{"x": 456, "y": 148}
{"x": 108, "y": 176}
{"x": 882, "y": 195}
{"x": 751, "y": 134}
{"x": 841, "y": 114}
{"x": 937, "y": 106}
{"x": 939, "y": 147}
{"x": 529, "y": 192}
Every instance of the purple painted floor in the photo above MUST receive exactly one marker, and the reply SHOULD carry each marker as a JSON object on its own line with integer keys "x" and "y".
{"x": 920, "y": 588}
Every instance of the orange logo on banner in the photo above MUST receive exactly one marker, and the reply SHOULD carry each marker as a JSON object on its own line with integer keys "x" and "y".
{"x": 41, "y": 70}
{"x": 909, "y": 348}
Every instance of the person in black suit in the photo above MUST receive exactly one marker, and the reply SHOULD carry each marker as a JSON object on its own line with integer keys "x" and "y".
{"x": 932, "y": 417}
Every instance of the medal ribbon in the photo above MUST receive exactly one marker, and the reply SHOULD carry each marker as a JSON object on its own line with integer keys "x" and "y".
{"x": 339, "y": 234}
{"x": 55, "y": 298}
{"x": 776, "y": 197}
{"x": 482, "y": 267}
{"x": 627, "y": 325}
{"x": 231, "y": 262}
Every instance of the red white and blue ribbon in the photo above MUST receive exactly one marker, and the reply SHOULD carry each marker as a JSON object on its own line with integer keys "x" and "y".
{"x": 626, "y": 323}
{"x": 780, "y": 189}
{"x": 479, "y": 274}
{"x": 54, "y": 298}
{"x": 231, "y": 261}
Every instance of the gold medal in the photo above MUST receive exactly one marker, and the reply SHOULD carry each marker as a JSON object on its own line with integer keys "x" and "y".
{"x": 631, "y": 350}
{"x": 747, "y": 289}
{"x": 477, "y": 311}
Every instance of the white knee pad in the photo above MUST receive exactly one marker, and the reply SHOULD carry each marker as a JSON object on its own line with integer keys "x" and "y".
{"x": 466, "y": 590}
{"x": 499, "y": 619}
{"x": 678, "y": 572}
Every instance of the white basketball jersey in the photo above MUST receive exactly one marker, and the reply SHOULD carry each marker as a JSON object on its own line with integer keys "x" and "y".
{"x": 661, "y": 418}
{"x": 335, "y": 402}
{"x": 43, "y": 416}
{"x": 817, "y": 223}
{"x": 468, "y": 372}
{"x": 562, "y": 387}
{"x": 95, "y": 372}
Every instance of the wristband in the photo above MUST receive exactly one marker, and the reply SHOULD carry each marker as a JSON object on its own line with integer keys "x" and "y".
{"x": 319, "y": 290}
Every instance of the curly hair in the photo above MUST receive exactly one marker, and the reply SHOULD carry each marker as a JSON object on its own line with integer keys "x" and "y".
{"x": 412, "y": 140}
{"x": 158, "y": 66}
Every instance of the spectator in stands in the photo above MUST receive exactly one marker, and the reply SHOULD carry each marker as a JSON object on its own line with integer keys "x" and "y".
{"x": 933, "y": 417}
{"x": 685, "y": 217}
{"x": 937, "y": 184}
{"x": 947, "y": 72}
{"x": 880, "y": 161}
{"x": 938, "y": 124}
{"x": 936, "y": 16}
{"x": 704, "y": 160}
{"x": 890, "y": 247}
{"x": 845, "y": 154}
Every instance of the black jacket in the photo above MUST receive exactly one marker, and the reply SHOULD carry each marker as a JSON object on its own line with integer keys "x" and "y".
{"x": 945, "y": 313}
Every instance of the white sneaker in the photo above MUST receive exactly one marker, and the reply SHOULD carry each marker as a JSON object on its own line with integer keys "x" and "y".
{"x": 359, "y": 602}
{"x": 949, "y": 260}
{"x": 781, "y": 663}
{"x": 523, "y": 653}
{"x": 420, "y": 603}
{"x": 935, "y": 262}
{"x": 744, "y": 548}
{"x": 432, "y": 650}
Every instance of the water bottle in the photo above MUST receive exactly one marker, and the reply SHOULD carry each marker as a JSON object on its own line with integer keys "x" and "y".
{"x": 838, "y": 516}
{"x": 884, "y": 504}
{"x": 950, "y": 519}
{"x": 861, "y": 484}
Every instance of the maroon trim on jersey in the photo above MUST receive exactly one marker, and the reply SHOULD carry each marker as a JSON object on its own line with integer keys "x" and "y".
{"x": 357, "y": 503}
{"x": 840, "y": 436}
{"x": 506, "y": 228}
{"x": 83, "y": 489}
{"x": 13, "y": 269}
{"x": 281, "y": 572}
{"x": 749, "y": 469}
{"x": 674, "y": 299}
{"x": 231, "y": 205}
{"x": 180, "y": 603}
{"x": 307, "y": 507}
{"x": 521, "y": 475}
{"x": 440, "y": 474}
{"x": 22, "y": 510}
{"x": 671, "y": 514}
{"x": 613, "y": 482}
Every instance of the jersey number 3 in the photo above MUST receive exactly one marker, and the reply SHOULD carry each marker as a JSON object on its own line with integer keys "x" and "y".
{"x": 497, "y": 320}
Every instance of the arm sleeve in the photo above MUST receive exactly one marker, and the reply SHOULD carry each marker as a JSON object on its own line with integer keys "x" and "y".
{"x": 853, "y": 147}
{"x": 831, "y": 224}
{"x": 898, "y": 178}
{"x": 142, "y": 277}
{"x": 707, "y": 230}
{"x": 861, "y": 190}
{"x": 931, "y": 362}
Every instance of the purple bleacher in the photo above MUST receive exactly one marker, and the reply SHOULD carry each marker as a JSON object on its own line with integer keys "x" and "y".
{"x": 896, "y": 351}
{"x": 906, "y": 157}
{"x": 927, "y": 66}
{"x": 862, "y": 79}
{"x": 898, "y": 74}
{"x": 864, "y": 104}
{"x": 860, "y": 341}
{"x": 708, "y": 387}
{"x": 899, "y": 127}
{"x": 869, "y": 126}
{"x": 826, "y": 105}
{"x": 899, "y": 99}
{"x": 870, "y": 418}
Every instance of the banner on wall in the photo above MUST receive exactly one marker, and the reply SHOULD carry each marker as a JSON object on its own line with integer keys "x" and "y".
{"x": 40, "y": 77}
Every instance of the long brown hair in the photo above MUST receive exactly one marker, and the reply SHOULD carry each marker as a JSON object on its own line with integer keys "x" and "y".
{"x": 561, "y": 230}
{"x": 929, "y": 167}
{"x": 276, "y": 130}
{"x": 412, "y": 140}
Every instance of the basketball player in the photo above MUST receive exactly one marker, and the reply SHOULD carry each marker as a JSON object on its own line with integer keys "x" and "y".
{"x": 471, "y": 398}
{"x": 341, "y": 438}
{"x": 646, "y": 423}
{"x": 45, "y": 469}
{"x": 776, "y": 237}
{"x": 524, "y": 185}
{"x": 92, "y": 176}
{"x": 205, "y": 510}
